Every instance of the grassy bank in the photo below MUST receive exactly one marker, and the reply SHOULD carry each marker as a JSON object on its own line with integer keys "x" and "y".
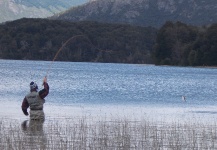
{"x": 104, "y": 134}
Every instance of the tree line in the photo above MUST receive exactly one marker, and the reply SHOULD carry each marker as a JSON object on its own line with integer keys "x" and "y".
{"x": 41, "y": 39}
{"x": 184, "y": 45}
{"x": 173, "y": 44}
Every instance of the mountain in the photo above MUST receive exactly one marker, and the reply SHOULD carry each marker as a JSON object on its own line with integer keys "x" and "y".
{"x": 144, "y": 12}
{"x": 15, "y": 9}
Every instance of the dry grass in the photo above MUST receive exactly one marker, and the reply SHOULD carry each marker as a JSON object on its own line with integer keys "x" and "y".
{"x": 104, "y": 134}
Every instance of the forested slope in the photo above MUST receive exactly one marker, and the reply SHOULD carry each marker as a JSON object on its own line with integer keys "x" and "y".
{"x": 40, "y": 39}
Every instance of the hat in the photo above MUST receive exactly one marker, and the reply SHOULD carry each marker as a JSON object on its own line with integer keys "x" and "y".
{"x": 33, "y": 85}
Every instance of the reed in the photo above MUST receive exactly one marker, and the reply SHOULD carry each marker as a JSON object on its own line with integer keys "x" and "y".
{"x": 106, "y": 134}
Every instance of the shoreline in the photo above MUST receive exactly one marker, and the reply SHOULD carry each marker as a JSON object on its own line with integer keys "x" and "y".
{"x": 143, "y": 64}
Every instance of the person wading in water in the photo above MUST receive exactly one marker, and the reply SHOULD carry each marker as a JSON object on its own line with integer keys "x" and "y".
{"x": 35, "y": 100}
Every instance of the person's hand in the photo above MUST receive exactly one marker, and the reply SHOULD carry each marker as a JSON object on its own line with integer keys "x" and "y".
{"x": 45, "y": 79}
{"x": 26, "y": 113}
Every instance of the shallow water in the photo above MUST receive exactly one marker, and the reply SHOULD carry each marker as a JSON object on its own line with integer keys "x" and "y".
{"x": 111, "y": 90}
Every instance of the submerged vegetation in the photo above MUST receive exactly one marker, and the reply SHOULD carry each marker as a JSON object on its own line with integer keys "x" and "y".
{"x": 103, "y": 134}
{"x": 172, "y": 44}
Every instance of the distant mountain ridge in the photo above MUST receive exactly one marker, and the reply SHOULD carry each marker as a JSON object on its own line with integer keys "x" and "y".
{"x": 144, "y": 12}
{"x": 16, "y": 9}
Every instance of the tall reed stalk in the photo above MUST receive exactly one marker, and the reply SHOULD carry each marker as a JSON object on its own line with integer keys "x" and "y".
{"x": 121, "y": 134}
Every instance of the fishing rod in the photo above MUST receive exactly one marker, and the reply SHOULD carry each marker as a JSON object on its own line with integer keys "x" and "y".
{"x": 65, "y": 43}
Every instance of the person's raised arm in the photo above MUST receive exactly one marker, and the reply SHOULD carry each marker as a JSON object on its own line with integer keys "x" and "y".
{"x": 44, "y": 92}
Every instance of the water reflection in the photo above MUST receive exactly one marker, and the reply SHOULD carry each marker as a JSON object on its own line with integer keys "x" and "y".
{"x": 34, "y": 134}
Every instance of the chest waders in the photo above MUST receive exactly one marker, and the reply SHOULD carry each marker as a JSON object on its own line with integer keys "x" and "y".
{"x": 36, "y": 106}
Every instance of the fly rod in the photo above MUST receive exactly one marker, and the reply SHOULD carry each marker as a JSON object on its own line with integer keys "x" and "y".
{"x": 64, "y": 44}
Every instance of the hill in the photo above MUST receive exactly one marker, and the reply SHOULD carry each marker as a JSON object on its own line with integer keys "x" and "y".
{"x": 144, "y": 12}
{"x": 176, "y": 44}
{"x": 40, "y": 39}
{"x": 15, "y": 9}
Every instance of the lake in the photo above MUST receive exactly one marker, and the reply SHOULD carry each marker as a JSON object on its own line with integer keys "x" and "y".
{"x": 106, "y": 89}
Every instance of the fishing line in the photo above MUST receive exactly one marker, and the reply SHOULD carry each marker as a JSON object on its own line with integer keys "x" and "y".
{"x": 64, "y": 44}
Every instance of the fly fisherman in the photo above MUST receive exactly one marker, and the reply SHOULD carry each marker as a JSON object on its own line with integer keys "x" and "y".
{"x": 35, "y": 101}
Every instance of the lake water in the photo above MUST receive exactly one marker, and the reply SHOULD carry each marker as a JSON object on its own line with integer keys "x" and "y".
{"x": 124, "y": 90}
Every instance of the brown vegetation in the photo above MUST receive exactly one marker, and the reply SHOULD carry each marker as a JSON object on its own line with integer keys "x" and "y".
{"x": 84, "y": 133}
